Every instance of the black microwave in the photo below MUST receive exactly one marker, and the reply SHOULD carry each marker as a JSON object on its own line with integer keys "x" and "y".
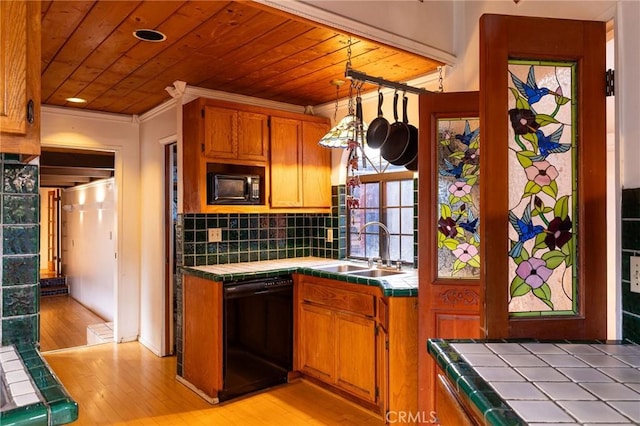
{"x": 233, "y": 189}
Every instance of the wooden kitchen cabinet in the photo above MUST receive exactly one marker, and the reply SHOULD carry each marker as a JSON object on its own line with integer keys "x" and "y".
{"x": 338, "y": 338}
{"x": 356, "y": 370}
{"x": 280, "y": 147}
{"x": 235, "y": 135}
{"x": 286, "y": 162}
{"x": 316, "y": 166}
{"x": 357, "y": 342}
{"x": 20, "y": 77}
{"x": 317, "y": 350}
{"x": 203, "y": 336}
{"x": 300, "y": 168}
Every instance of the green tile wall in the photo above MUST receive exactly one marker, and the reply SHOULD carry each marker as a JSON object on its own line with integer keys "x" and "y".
{"x": 19, "y": 247}
{"x": 630, "y": 247}
{"x": 254, "y": 237}
{"x": 268, "y": 236}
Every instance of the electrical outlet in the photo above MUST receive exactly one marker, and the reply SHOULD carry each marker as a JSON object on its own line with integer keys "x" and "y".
{"x": 634, "y": 274}
{"x": 329, "y": 235}
{"x": 215, "y": 235}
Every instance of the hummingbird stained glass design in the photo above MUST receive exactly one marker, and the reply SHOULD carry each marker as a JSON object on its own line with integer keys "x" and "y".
{"x": 542, "y": 188}
{"x": 458, "y": 198}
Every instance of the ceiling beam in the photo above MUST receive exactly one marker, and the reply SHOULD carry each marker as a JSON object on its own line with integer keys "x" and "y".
{"x": 60, "y": 180}
{"x": 64, "y": 159}
{"x": 75, "y": 171}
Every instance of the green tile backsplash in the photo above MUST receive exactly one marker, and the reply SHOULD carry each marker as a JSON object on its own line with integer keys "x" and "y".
{"x": 254, "y": 237}
{"x": 630, "y": 247}
{"x": 267, "y": 236}
{"x": 19, "y": 237}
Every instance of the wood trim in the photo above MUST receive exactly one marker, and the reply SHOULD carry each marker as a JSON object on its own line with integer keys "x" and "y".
{"x": 502, "y": 37}
{"x": 203, "y": 340}
{"x": 449, "y": 408}
{"x": 168, "y": 232}
{"x": 404, "y": 345}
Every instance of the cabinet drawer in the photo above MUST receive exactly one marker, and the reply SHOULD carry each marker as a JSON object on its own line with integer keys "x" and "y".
{"x": 358, "y": 303}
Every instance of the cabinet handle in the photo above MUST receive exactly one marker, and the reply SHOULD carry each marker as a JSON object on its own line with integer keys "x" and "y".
{"x": 30, "y": 112}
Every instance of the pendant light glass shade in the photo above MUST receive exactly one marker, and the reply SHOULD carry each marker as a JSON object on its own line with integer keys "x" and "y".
{"x": 340, "y": 135}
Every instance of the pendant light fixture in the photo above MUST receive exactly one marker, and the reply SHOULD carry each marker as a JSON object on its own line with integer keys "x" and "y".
{"x": 347, "y": 130}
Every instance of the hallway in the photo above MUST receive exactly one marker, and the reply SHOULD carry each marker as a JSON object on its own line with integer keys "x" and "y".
{"x": 63, "y": 323}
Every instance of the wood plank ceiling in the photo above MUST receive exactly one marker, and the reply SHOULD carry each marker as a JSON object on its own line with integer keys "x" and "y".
{"x": 88, "y": 51}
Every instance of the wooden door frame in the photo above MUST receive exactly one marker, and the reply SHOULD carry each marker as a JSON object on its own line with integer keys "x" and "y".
{"x": 503, "y": 37}
{"x": 453, "y": 303}
{"x": 169, "y": 264}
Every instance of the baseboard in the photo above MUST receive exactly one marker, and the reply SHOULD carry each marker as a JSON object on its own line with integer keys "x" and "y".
{"x": 155, "y": 350}
{"x": 201, "y": 394}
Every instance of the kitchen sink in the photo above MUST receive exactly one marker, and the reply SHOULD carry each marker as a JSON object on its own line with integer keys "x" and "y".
{"x": 346, "y": 267}
{"x": 374, "y": 273}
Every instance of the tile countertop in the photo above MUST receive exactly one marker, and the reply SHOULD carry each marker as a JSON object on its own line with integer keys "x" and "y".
{"x": 400, "y": 285}
{"x": 32, "y": 394}
{"x": 534, "y": 383}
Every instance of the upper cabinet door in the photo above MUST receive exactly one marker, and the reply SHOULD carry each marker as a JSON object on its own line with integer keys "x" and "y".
{"x": 20, "y": 77}
{"x": 220, "y": 132}
{"x": 543, "y": 218}
{"x": 316, "y": 166}
{"x": 253, "y": 136}
{"x": 286, "y": 162}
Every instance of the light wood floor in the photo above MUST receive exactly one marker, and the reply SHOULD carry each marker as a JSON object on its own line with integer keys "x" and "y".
{"x": 127, "y": 384}
{"x": 63, "y": 322}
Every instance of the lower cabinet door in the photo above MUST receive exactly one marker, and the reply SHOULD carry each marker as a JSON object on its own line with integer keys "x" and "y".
{"x": 317, "y": 342}
{"x": 356, "y": 355}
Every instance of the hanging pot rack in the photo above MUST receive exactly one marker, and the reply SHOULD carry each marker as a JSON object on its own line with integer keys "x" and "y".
{"x": 352, "y": 74}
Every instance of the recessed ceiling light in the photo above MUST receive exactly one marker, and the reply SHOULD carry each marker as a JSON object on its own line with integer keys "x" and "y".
{"x": 149, "y": 35}
{"x": 76, "y": 100}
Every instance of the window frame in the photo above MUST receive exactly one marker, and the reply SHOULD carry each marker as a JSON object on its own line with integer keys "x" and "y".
{"x": 382, "y": 179}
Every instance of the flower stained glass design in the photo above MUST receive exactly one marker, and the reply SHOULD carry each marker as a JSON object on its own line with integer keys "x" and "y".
{"x": 542, "y": 188}
{"x": 458, "y": 237}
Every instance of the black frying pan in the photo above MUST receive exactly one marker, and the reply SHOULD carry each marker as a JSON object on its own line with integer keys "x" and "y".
{"x": 379, "y": 128}
{"x": 399, "y": 136}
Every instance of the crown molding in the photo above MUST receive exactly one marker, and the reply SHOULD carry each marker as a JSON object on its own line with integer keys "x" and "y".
{"x": 192, "y": 93}
{"x": 95, "y": 115}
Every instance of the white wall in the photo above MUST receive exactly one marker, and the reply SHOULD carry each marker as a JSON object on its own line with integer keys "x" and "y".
{"x": 424, "y": 28}
{"x": 69, "y": 128}
{"x": 155, "y": 131}
{"x": 88, "y": 245}
{"x": 628, "y": 90}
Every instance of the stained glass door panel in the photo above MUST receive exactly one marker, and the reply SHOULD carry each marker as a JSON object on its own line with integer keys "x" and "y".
{"x": 542, "y": 188}
{"x": 458, "y": 245}
{"x": 543, "y": 216}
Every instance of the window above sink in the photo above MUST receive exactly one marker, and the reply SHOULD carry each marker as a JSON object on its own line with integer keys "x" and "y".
{"x": 386, "y": 193}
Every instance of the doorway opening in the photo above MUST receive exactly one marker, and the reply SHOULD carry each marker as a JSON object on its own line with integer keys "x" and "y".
{"x": 77, "y": 246}
{"x": 171, "y": 218}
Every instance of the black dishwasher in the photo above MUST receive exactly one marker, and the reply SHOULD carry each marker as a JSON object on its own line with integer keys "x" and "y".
{"x": 258, "y": 334}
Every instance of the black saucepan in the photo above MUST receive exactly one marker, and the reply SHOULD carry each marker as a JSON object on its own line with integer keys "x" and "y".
{"x": 411, "y": 150}
{"x": 398, "y": 138}
{"x": 379, "y": 128}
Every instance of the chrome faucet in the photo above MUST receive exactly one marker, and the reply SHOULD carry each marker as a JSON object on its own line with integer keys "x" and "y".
{"x": 385, "y": 247}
